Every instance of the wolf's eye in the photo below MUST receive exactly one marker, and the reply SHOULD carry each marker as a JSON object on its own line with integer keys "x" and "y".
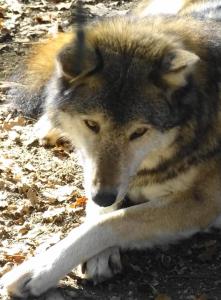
{"x": 92, "y": 125}
{"x": 138, "y": 133}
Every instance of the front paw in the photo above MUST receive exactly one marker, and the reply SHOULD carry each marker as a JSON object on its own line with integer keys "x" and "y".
{"x": 30, "y": 278}
{"x": 14, "y": 283}
{"x": 103, "y": 266}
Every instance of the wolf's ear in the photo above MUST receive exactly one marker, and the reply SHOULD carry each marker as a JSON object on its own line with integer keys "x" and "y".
{"x": 76, "y": 61}
{"x": 177, "y": 65}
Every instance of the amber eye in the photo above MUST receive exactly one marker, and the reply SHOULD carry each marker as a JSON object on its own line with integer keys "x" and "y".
{"x": 92, "y": 125}
{"x": 138, "y": 133}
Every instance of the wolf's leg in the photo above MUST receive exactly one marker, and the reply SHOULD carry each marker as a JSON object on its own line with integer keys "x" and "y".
{"x": 124, "y": 228}
{"x": 107, "y": 263}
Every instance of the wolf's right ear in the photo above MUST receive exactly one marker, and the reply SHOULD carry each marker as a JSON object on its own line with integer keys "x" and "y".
{"x": 78, "y": 60}
{"x": 177, "y": 65}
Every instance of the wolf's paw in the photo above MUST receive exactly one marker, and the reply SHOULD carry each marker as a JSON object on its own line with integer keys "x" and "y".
{"x": 103, "y": 266}
{"x": 51, "y": 137}
{"x": 30, "y": 278}
{"x": 46, "y": 133}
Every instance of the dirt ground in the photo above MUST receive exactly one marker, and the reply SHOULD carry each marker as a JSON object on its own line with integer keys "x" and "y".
{"x": 41, "y": 191}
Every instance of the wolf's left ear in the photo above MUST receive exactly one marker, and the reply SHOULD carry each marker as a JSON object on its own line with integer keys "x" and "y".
{"x": 177, "y": 65}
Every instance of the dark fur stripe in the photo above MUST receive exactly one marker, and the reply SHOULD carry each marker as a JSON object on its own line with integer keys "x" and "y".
{"x": 175, "y": 166}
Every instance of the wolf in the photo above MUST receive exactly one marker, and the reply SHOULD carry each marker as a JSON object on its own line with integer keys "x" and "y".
{"x": 141, "y": 103}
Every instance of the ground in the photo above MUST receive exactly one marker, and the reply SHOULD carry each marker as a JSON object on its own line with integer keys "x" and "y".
{"x": 41, "y": 191}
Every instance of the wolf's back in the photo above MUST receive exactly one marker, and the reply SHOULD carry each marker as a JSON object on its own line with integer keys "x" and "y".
{"x": 200, "y": 9}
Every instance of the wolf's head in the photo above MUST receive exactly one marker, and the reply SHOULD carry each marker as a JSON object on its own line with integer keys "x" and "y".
{"x": 124, "y": 103}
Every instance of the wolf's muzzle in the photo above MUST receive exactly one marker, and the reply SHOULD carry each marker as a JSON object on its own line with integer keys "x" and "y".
{"x": 104, "y": 199}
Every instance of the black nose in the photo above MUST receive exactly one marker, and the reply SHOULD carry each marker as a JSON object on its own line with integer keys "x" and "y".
{"x": 104, "y": 198}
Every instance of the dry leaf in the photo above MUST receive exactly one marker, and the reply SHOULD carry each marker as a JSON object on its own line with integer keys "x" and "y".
{"x": 3, "y": 204}
{"x": 1, "y": 26}
{"x": 81, "y": 201}
{"x": 64, "y": 6}
{"x": 24, "y": 229}
{"x": 32, "y": 195}
{"x": 14, "y": 5}
{"x": 10, "y": 123}
{"x": 6, "y": 164}
{"x": 15, "y": 258}
{"x": 29, "y": 167}
{"x": 43, "y": 19}
{"x": 59, "y": 193}
{"x": 3, "y": 196}
{"x": 2, "y": 12}
{"x": 52, "y": 213}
